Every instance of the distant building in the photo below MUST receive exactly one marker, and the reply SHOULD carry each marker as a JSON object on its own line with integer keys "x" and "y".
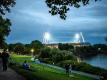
{"x": 55, "y": 45}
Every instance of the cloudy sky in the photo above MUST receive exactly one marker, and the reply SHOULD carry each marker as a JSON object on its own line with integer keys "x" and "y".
{"x": 30, "y": 19}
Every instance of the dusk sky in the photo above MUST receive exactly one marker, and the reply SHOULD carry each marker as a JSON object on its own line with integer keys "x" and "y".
{"x": 30, "y": 19}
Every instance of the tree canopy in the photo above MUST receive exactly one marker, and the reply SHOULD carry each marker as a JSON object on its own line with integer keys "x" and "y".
{"x": 5, "y": 6}
{"x": 57, "y": 7}
{"x": 61, "y": 7}
{"x": 4, "y": 30}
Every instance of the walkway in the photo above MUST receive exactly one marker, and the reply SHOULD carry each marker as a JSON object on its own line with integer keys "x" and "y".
{"x": 77, "y": 72}
{"x": 9, "y": 75}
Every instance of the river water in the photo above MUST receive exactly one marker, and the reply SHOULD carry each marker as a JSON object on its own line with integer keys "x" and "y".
{"x": 99, "y": 61}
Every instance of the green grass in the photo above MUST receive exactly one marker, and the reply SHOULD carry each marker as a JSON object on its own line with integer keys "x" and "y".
{"x": 42, "y": 72}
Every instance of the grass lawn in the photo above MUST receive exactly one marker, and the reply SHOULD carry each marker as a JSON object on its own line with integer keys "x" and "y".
{"x": 42, "y": 72}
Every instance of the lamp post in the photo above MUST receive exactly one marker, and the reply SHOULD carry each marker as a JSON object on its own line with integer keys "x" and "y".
{"x": 32, "y": 51}
{"x": 99, "y": 50}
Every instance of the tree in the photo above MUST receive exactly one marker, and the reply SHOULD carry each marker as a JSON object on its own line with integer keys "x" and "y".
{"x": 5, "y": 6}
{"x": 45, "y": 52}
{"x": 4, "y": 30}
{"x": 65, "y": 46}
{"x": 61, "y": 7}
{"x": 36, "y": 44}
{"x": 106, "y": 39}
{"x": 57, "y": 7}
{"x": 19, "y": 48}
{"x": 5, "y": 23}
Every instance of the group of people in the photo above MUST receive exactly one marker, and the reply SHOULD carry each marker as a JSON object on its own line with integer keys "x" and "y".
{"x": 68, "y": 68}
{"x": 4, "y": 59}
{"x": 5, "y": 56}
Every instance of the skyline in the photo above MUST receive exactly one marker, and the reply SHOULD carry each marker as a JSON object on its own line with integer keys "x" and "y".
{"x": 31, "y": 22}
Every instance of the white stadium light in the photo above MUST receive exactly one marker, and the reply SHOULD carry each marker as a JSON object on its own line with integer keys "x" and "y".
{"x": 77, "y": 36}
{"x": 47, "y": 35}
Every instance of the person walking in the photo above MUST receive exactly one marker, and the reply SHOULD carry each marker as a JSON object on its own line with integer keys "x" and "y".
{"x": 4, "y": 57}
{"x": 67, "y": 69}
{"x": 70, "y": 68}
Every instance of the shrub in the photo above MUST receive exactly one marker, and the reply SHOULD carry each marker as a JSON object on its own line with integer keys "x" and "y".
{"x": 84, "y": 67}
{"x": 56, "y": 55}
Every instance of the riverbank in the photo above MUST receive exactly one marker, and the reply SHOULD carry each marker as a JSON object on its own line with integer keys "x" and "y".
{"x": 99, "y": 60}
{"x": 42, "y": 72}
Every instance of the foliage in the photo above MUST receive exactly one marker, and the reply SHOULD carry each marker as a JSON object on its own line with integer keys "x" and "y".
{"x": 65, "y": 46}
{"x": 88, "y": 51}
{"x": 61, "y": 7}
{"x": 45, "y": 52}
{"x": 85, "y": 51}
{"x": 36, "y": 44}
{"x": 19, "y": 48}
{"x": 57, "y": 7}
{"x": 102, "y": 48}
{"x": 26, "y": 48}
{"x": 106, "y": 39}
{"x": 5, "y": 24}
{"x": 5, "y": 6}
{"x": 4, "y": 30}
{"x": 11, "y": 47}
{"x": 55, "y": 55}
{"x": 84, "y": 67}
{"x": 42, "y": 72}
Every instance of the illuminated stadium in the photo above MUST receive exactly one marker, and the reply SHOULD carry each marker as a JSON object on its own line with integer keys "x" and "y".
{"x": 73, "y": 38}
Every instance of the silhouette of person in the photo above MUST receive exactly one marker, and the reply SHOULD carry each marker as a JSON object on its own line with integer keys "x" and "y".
{"x": 70, "y": 68}
{"x": 0, "y": 57}
{"x": 0, "y": 54}
{"x": 67, "y": 68}
{"x": 4, "y": 57}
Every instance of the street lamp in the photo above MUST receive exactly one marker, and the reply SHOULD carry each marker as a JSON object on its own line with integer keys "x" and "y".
{"x": 32, "y": 51}
{"x": 99, "y": 49}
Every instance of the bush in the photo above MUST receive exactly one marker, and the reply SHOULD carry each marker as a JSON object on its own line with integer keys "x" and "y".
{"x": 46, "y": 60}
{"x": 56, "y": 55}
{"x": 84, "y": 67}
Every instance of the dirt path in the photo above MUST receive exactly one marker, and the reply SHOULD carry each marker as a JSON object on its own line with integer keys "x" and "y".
{"x": 9, "y": 75}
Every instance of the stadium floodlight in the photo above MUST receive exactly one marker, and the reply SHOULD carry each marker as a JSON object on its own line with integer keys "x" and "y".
{"x": 77, "y": 36}
{"x": 47, "y": 35}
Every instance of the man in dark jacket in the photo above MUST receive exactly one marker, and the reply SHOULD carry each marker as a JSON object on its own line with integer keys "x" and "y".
{"x": 0, "y": 57}
{"x": 4, "y": 57}
{"x": 0, "y": 54}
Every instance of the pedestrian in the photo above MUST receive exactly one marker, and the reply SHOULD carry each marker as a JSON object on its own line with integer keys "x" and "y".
{"x": 0, "y": 54}
{"x": 67, "y": 69}
{"x": 0, "y": 57}
{"x": 4, "y": 57}
{"x": 70, "y": 68}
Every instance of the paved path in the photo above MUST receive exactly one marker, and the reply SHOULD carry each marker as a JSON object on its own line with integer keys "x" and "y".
{"x": 9, "y": 75}
{"x": 77, "y": 72}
